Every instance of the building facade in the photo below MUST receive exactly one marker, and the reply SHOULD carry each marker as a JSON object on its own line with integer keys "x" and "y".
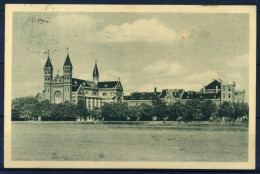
{"x": 216, "y": 91}
{"x": 67, "y": 88}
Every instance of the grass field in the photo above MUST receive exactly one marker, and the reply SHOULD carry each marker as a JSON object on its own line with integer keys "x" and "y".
{"x": 128, "y": 142}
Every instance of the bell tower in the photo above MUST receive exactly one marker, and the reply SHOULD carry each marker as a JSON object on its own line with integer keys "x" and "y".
{"x": 48, "y": 75}
{"x": 67, "y": 78}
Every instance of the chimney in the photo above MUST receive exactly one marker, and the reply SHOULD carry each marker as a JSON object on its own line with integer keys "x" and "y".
{"x": 216, "y": 89}
{"x": 155, "y": 90}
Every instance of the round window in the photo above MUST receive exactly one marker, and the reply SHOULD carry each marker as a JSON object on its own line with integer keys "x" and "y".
{"x": 57, "y": 94}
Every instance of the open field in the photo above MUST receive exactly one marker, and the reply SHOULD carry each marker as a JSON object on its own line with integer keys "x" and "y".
{"x": 129, "y": 142}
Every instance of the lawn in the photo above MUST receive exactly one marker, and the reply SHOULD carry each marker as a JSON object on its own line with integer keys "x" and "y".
{"x": 75, "y": 141}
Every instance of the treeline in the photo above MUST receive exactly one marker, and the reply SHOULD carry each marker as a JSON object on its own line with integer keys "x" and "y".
{"x": 28, "y": 108}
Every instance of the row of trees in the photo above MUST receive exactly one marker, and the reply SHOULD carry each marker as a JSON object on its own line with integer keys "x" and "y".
{"x": 28, "y": 108}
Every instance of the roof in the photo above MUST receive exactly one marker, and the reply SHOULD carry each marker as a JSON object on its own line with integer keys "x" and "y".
{"x": 197, "y": 95}
{"x": 142, "y": 96}
{"x": 48, "y": 63}
{"x": 95, "y": 72}
{"x": 175, "y": 92}
{"x": 213, "y": 85}
{"x": 67, "y": 61}
{"x": 107, "y": 84}
{"x": 85, "y": 83}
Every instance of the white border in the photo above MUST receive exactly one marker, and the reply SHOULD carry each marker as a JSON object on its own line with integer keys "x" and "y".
{"x": 10, "y": 8}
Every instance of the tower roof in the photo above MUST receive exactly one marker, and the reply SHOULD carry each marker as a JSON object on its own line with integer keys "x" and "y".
{"x": 67, "y": 61}
{"x": 48, "y": 62}
{"x": 95, "y": 72}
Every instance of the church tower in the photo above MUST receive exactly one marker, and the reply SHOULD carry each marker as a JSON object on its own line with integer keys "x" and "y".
{"x": 95, "y": 73}
{"x": 67, "y": 78}
{"x": 48, "y": 75}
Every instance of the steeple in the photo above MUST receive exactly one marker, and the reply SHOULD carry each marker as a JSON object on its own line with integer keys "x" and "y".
{"x": 67, "y": 61}
{"x": 48, "y": 62}
{"x": 95, "y": 73}
{"x": 67, "y": 69}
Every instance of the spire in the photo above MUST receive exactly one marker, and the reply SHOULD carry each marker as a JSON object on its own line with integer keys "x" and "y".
{"x": 67, "y": 61}
{"x": 48, "y": 62}
{"x": 95, "y": 72}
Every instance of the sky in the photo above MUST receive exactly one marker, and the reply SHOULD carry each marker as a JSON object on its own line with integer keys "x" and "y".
{"x": 144, "y": 50}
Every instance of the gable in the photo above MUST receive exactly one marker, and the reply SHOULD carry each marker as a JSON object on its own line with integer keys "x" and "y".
{"x": 119, "y": 86}
{"x": 57, "y": 79}
{"x": 213, "y": 85}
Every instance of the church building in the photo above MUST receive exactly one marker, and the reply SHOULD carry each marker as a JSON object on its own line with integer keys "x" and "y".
{"x": 67, "y": 88}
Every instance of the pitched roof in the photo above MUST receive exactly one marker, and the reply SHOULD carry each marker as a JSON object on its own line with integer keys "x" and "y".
{"x": 197, "y": 95}
{"x": 85, "y": 83}
{"x": 107, "y": 84}
{"x": 142, "y": 96}
{"x": 67, "y": 61}
{"x": 48, "y": 63}
{"x": 213, "y": 85}
{"x": 175, "y": 92}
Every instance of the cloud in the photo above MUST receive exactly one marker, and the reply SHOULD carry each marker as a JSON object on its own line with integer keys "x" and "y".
{"x": 73, "y": 21}
{"x": 202, "y": 78}
{"x": 139, "y": 30}
{"x": 239, "y": 61}
{"x": 163, "y": 68}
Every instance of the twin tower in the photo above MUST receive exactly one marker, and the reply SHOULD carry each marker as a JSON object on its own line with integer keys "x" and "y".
{"x": 61, "y": 86}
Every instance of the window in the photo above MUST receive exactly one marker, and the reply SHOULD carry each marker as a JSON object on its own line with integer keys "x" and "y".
{"x": 97, "y": 103}
{"x": 229, "y": 95}
{"x": 224, "y": 89}
{"x": 65, "y": 89}
{"x": 224, "y": 96}
{"x": 104, "y": 94}
{"x": 93, "y": 103}
{"x": 229, "y": 89}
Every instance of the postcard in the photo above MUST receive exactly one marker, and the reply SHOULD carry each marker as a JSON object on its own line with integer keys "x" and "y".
{"x": 130, "y": 86}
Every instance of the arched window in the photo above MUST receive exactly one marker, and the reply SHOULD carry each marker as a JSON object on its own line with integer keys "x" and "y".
{"x": 104, "y": 94}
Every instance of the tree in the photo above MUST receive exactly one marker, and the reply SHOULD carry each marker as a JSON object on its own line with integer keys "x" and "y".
{"x": 134, "y": 113}
{"x": 147, "y": 112}
{"x": 176, "y": 111}
{"x": 208, "y": 108}
{"x": 193, "y": 108}
{"x": 27, "y": 112}
{"x": 161, "y": 110}
{"x": 82, "y": 110}
{"x": 114, "y": 112}
{"x": 96, "y": 114}
{"x": 226, "y": 110}
{"x": 121, "y": 110}
{"x": 69, "y": 111}
{"x": 241, "y": 109}
{"x": 18, "y": 104}
{"x": 46, "y": 110}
